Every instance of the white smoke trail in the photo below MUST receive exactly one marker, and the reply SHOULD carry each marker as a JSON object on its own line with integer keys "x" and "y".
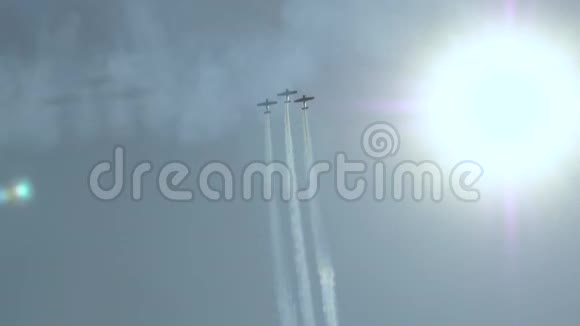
{"x": 322, "y": 252}
{"x": 304, "y": 286}
{"x": 284, "y": 301}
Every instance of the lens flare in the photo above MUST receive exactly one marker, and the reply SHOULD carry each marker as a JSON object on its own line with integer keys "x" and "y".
{"x": 23, "y": 191}
{"x": 20, "y": 192}
{"x": 507, "y": 99}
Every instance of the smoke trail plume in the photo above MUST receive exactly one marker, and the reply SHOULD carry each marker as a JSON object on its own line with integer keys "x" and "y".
{"x": 284, "y": 301}
{"x": 322, "y": 252}
{"x": 304, "y": 286}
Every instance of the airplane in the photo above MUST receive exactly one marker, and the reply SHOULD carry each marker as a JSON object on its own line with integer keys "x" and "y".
{"x": 130, "y": 93}
{"x": 99, "y": 80}
{"x": 267, "y": 104}
{"x": 64, "y": 100}
{"x": 304, "y": 99}
{"x": 287, "y": 94}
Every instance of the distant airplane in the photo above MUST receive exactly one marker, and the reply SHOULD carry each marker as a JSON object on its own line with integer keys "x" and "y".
{"x": 64, "y": 100}
{"x": 130, "y": 93}
{"x": 304, "y": 99}
{"x": 99, "y": 80}
{"x": 287, "y": 93}
{"x": 267, "y": 104}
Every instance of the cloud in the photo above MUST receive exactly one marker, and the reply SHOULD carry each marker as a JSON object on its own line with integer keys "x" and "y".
{"x": 188, "y": 71}
{"x": 184, "y": 83}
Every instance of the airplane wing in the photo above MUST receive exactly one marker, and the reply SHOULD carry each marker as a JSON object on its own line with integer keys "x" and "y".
{"x": 267, "y": 103}
{"x": 130, "y": 93}
{"x": 288, "y": 93}
{"x": 63, "y": 100}
{"x": 304, "y": 99}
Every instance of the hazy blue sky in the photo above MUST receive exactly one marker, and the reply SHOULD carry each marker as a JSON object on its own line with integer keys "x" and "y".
{"x": 178, "y": 80}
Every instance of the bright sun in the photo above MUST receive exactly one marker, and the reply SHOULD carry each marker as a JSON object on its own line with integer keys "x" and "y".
{"x": 507, "y": 99}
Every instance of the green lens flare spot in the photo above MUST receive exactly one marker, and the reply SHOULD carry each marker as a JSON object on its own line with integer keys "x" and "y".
{"x": 23, "y": 191}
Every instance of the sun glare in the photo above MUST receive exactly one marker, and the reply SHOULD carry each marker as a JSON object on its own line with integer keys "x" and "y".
{"x": 507, "y": 99}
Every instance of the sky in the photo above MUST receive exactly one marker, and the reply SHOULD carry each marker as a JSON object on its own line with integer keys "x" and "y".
{"x": 178, "y": 81}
